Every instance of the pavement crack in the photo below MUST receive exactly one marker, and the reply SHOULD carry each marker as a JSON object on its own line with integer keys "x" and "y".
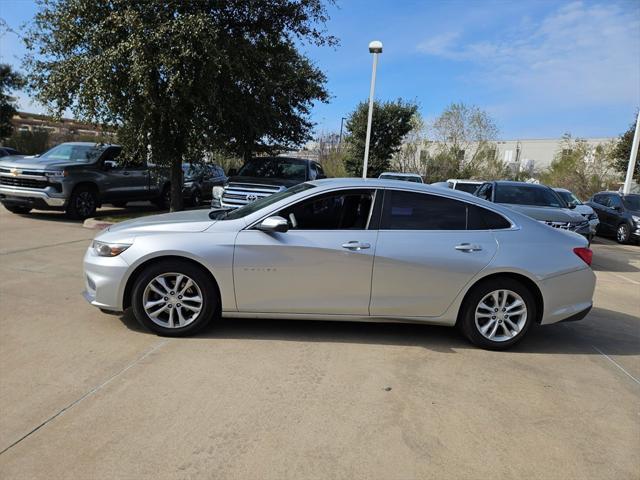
{"x": 87, "y": 394}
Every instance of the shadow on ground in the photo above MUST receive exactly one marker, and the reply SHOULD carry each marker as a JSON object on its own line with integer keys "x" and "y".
{"x": 614, "y": 332}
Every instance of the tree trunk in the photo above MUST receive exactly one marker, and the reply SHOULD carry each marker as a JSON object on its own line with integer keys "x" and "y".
{"x": 175, "y": 178}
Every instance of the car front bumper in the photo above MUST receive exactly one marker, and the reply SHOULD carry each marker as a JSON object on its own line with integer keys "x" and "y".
{"x": 104, "y": 281}
{"x": 33, "y": 196}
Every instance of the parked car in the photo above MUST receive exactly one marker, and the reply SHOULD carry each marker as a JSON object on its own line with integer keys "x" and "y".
{"x": 407, "y": 177}
{"x": 441, "y": 257}
{"x": 8, "y": 151}
{"x": 264, "y": 176}
{"x": 619, "y": 215}
{"x": 537, "y": 201}
{"x": 199, "y": 180}
{"x": 78, "y": 177}
{"x": 469, "y": 186}
{"x": 583, "y": 209}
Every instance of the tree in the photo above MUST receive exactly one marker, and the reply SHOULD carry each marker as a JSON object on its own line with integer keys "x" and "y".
{"x": 391, "y": 122}
{"x": 581, "y": 168}
{"x": 179, "y": 78}
{"x": 9, "y": 81}
{"x": 464, "y": 137}
{"x": 622, "y": 152}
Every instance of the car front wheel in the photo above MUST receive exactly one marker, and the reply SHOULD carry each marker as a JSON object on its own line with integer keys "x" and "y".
{"x": 497, "y": 313}
{"x": 174, "y": 298}
{"x": 623, "y": 233}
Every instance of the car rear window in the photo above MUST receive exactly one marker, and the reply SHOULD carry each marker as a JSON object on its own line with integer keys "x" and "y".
{"x": 527, "y": 195}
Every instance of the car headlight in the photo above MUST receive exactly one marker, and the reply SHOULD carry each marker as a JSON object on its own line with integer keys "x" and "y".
{"x": 104, "y": 249}
{"x": 636, "y": 219}
{"x": 217, "y": 192}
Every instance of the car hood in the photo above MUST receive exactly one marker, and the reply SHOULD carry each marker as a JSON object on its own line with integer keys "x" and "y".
{"x": 34, "y": 163}
{"x": 189, "y": 221}
{"x": 549, "y": 214}
{"x": 265, "y": 181}
{"x": 584, "y": 209}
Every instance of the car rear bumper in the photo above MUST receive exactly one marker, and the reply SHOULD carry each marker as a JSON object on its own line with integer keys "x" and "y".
{"x": 567, "y": 295}
{"x": 18, "y": 195}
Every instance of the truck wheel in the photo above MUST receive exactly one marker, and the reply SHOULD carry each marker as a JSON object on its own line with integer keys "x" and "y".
{"x": 82, "y": 204}
{"x": 196, "y": 198}
{"x": 18, "y": 209}
{"x": 164, "y": 200}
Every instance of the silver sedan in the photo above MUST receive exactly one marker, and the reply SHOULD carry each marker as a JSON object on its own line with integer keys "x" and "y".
{"x": 346, "y": 249}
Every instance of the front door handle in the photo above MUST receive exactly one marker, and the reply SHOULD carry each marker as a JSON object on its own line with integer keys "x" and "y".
{"x": 355, "y": 245}
{"x": 467, "y": 247}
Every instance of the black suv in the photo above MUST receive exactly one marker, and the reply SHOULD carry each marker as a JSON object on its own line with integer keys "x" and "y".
{"x": 619, "y": 215}
{"x": 264, "y": 176}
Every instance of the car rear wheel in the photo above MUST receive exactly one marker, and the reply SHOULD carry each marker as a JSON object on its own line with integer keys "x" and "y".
{"x": 623, "y": 233}
{"x": 174, "y": 298}
{"x": 18, "y": 209}
{"x": 497, "y": 313}
{"x": 196, "y": 198}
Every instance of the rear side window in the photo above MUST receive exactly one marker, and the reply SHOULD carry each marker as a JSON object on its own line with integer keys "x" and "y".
{"x": 419, "y": 211}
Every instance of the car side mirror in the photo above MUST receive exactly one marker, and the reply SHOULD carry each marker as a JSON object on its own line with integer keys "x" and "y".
{"x": 572, "y": 205}
{"x": 274, "y": 224}
{"x": 618, "y": 208}
{"x": 109, "y": 165}
{"x": 232, "y": 172}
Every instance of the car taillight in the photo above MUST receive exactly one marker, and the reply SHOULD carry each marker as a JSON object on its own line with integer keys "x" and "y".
{"x": 586, "y": 254}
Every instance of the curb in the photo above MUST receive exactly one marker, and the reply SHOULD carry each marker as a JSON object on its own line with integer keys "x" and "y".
{"x": 96, "y": 224}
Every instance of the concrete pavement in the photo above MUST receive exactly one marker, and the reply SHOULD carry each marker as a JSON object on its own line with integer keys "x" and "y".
{"x": 89, "y": 395}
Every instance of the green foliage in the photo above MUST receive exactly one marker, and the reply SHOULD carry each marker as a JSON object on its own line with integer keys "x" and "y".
{"x": 622, "y": 152}
{"x": 30, "y": 143}
{"x": 391, "y": 122}
{"x": 181, "y": 77}
{"x": 581, "y": 168}
{"x": 9, "y": 81}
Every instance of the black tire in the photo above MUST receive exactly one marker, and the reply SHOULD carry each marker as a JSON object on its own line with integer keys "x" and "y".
{"x": 467, "y": 320}
{"x": 82, "y": 203}
{"x": 119, "y": 204}
{"x": 208, "y": 291}
{"x": 163, "y": 202}
{"x": 19, "y": 209}
{"x": 623, "y": 233}
{"x": 196, "y": 198}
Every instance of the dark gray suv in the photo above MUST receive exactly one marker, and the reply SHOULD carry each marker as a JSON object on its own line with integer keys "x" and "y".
{"x": 619, "y": 215}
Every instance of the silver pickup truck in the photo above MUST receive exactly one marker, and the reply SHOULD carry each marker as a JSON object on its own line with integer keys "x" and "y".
{"x": 78, "y": 177}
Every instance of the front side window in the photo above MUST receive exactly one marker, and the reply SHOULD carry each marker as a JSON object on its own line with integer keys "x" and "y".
{"x": 467, "y": 187}
{"x": 343, "y": 210}
{"x": 485, "y": 191}
{"x": 615, "y": 201}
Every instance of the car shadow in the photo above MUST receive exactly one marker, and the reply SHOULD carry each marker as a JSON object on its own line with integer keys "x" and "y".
{"x": 613, "y": 332}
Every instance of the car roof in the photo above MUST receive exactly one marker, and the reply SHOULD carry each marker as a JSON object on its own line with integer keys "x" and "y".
{"x": 89, "y": 144}
{"x": 467, "y": 180}
{"x": 519, "y": 184}
{"x": 559, "y": 189}
{"x": 403, "y": 174}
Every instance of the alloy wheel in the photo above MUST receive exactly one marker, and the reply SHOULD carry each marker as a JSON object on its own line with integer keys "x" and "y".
{"x": 501, "y": 315}
{"x": 172, "y": 300}
{"x": 622, "y": 234}
{"x": 85, "y": 204}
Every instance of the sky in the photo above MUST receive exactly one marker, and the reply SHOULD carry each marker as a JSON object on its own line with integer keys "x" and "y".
{"x": 540, "y": 68}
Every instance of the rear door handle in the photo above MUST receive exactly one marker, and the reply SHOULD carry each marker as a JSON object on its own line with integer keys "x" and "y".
{"x": 355, "y": 245}
{"x": 467, "y": 247}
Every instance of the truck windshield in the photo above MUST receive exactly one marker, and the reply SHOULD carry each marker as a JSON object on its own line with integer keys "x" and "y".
{"x": 74, "y": 153}
{"x": 285, "y": 168}
{"x": 265, "y": 202}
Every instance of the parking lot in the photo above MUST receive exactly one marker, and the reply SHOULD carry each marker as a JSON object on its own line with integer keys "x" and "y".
{"x": 89, "y": 395}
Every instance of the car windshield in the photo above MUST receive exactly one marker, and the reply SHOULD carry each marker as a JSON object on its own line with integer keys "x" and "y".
{"x": 528, "y": 195}
{"x": 406, "y": 178}
{"x": 190, "y": 170}
{"x": 467, "y": 187}
{"x": 285, "y": 168}
{"x": 632, "y": 202}
{"x": 569, "y": 197}
{"x": 74, "y": 153}
{"x": 264, "y": 202}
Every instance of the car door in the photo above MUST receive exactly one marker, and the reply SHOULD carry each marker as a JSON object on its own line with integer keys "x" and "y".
{"x": 322, "y": 265}
{"x": 598, "y": 205}
{"x": 123, "y": 180}
{"x": 429, "y": 247}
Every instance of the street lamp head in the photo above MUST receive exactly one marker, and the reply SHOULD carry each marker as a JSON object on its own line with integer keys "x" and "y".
{"x": 375, "y": 47}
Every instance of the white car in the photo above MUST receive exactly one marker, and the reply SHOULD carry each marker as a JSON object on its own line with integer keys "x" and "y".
{"x": 346, "y": 249}
{"x": 585, "y": 210}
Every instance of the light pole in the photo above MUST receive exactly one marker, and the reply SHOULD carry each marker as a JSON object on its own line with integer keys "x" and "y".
{"x": 626, "y": 189}
{"x": 375, "y": 47}
{"x": 342, "y": 119}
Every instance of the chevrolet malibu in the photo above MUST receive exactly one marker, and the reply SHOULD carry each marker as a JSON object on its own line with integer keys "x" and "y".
{"x": 346, "y": 249}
